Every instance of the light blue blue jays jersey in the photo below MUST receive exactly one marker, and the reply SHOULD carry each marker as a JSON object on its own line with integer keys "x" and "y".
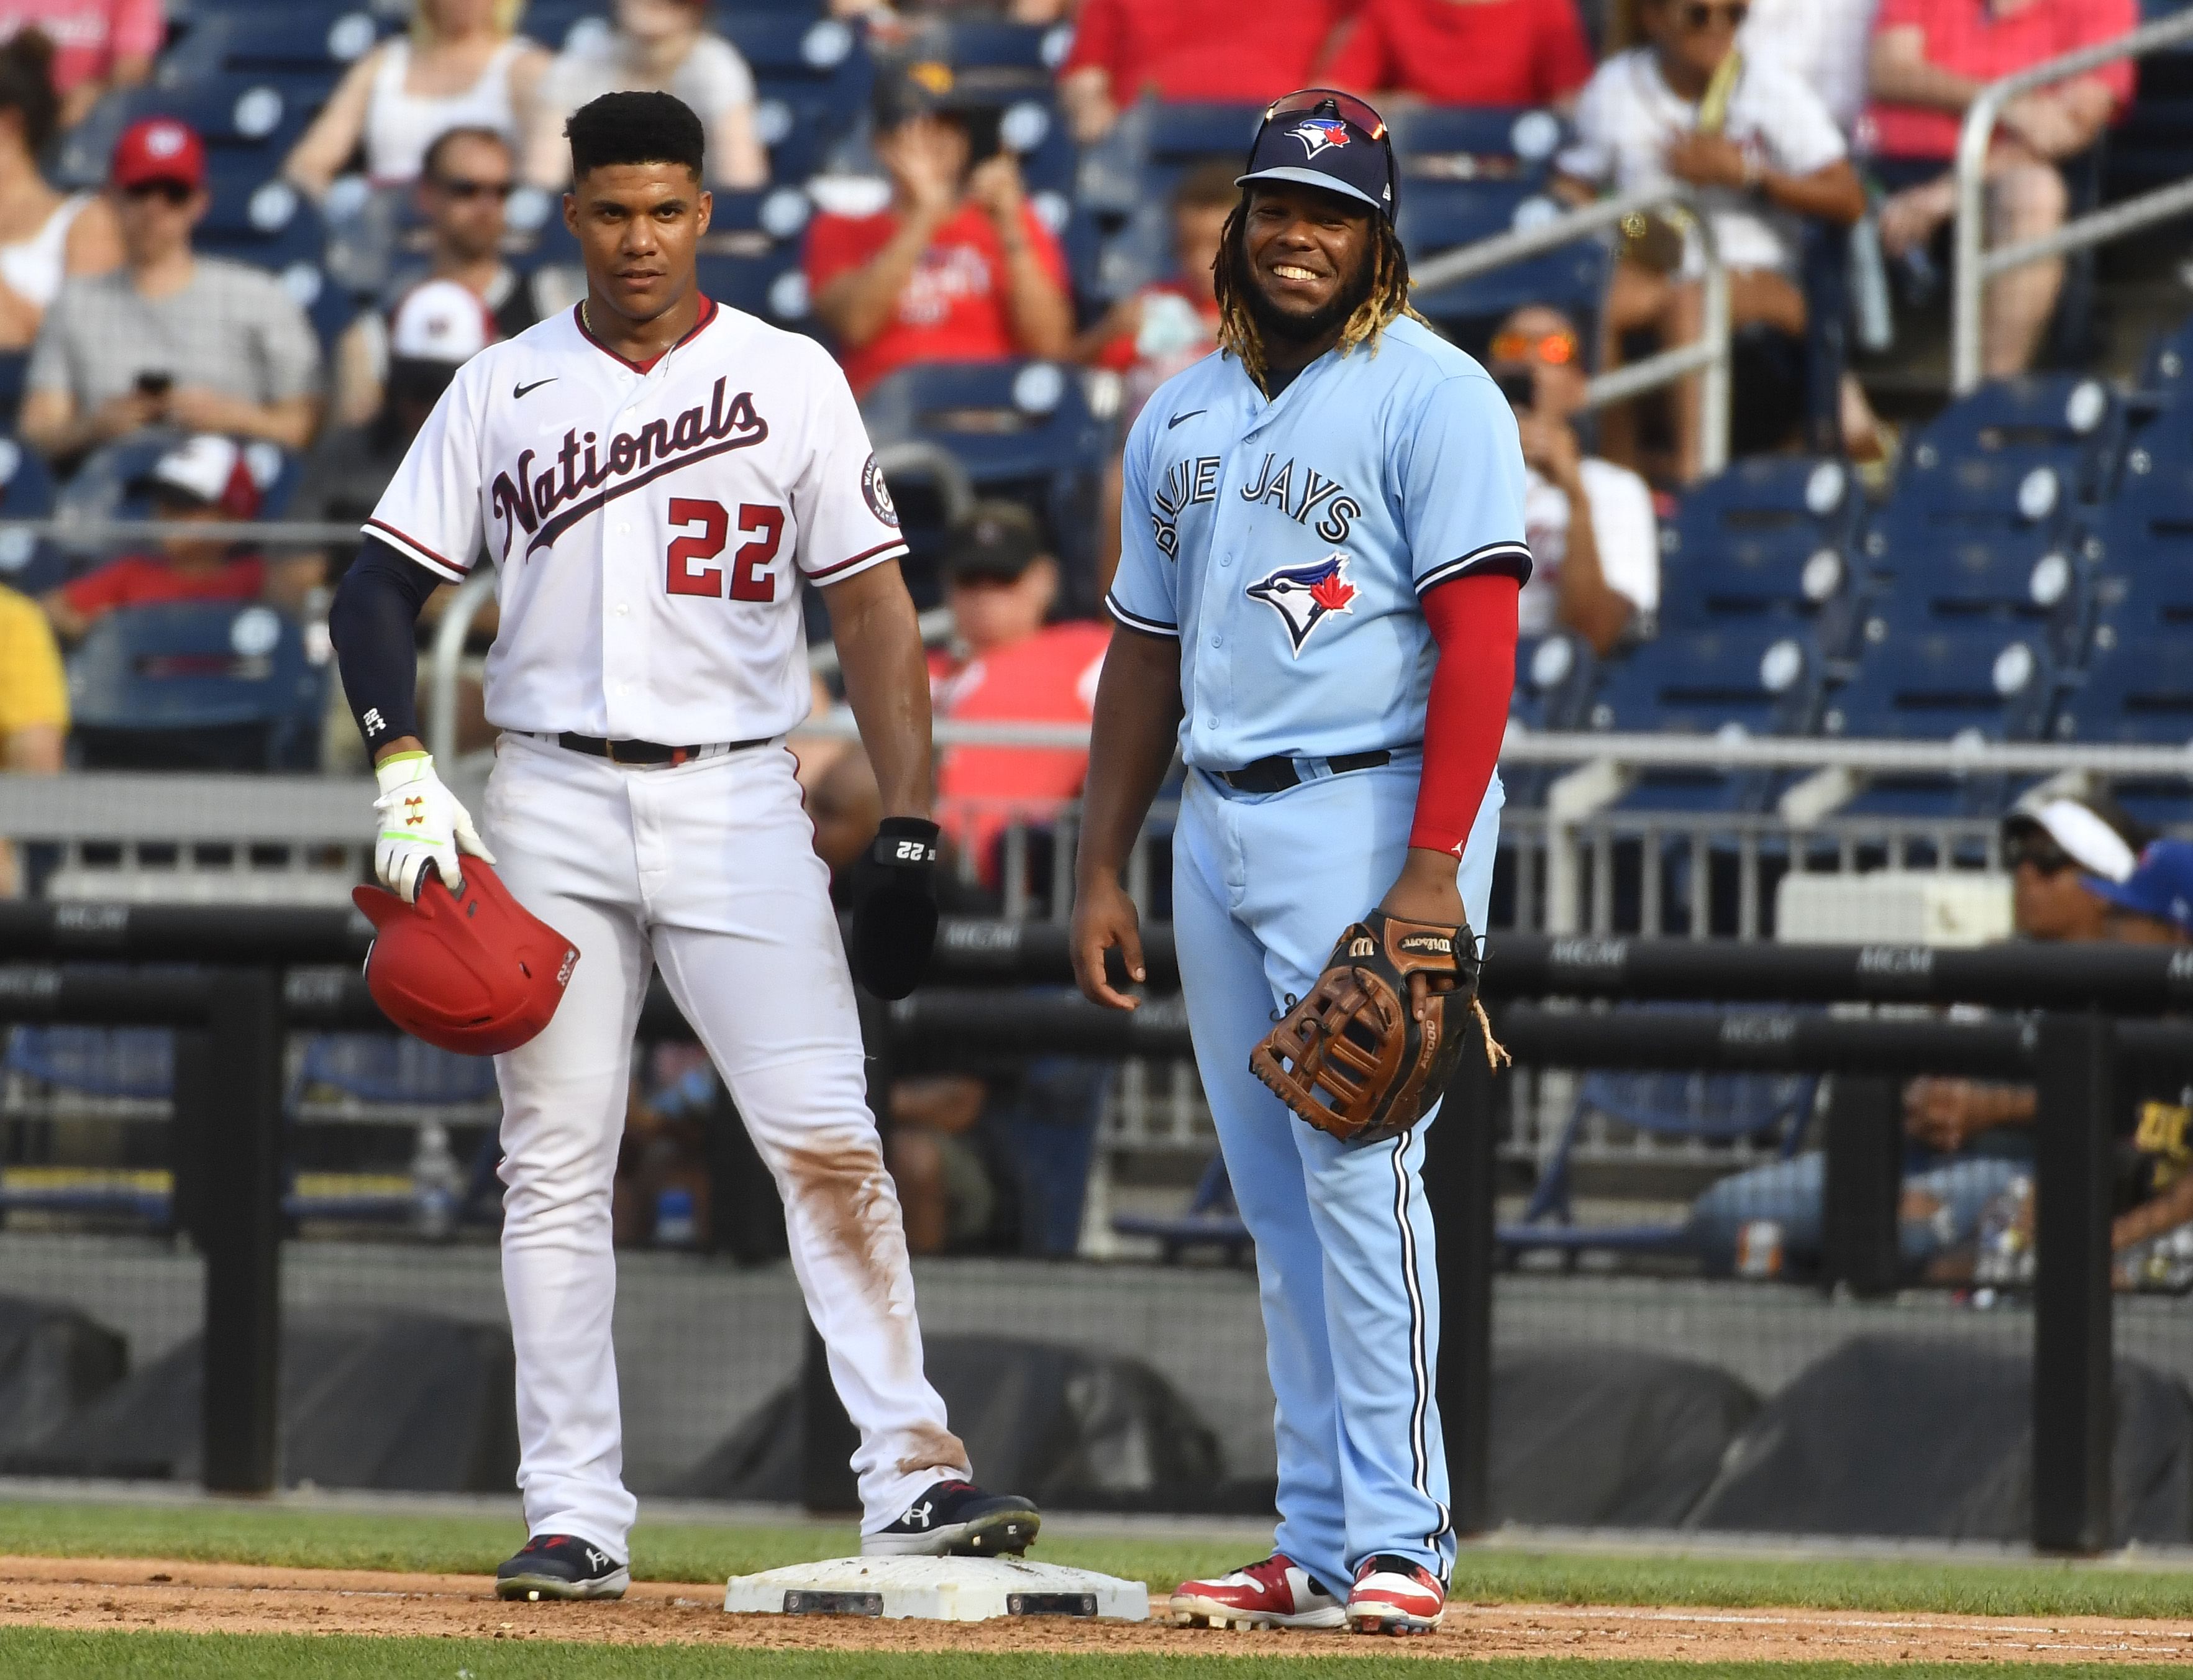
{"x": 1288, "y": 542}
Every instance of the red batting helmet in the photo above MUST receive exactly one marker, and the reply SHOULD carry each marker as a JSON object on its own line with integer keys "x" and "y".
{"x": 472, "y": 971}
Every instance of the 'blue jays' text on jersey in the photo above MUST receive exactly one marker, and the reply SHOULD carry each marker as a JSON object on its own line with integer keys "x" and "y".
{"x": 1287, "y": 542}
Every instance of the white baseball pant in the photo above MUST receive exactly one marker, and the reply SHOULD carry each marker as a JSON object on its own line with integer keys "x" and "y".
{"x": 707, "y": 869}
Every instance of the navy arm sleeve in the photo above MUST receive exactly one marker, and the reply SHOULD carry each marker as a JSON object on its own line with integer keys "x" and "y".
{"x": 374, "y": 624}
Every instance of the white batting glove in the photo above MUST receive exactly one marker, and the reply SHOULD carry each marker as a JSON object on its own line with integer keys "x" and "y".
{"x": 420, "y": 824}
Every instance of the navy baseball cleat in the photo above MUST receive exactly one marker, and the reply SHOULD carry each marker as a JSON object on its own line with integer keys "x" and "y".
{"x": 957, "y": 1519}
{"x": 559, "y": 1566}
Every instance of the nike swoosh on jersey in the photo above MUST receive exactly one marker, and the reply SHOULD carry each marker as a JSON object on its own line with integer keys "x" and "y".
{"x": 1190, "y": 415}
{"x": 518, "y": 392}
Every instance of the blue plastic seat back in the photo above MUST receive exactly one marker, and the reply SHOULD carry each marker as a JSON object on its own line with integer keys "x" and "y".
{"x": 195, "y": 665}
{"x": 973, "y": 45}
{"x": 1186, "y": 132}
{"x": 1709, "y": 1108}
{"x": 258, "y": 218}
{"x": 395, "y": 1067}
{"x": 1976, "y": 494}
{"x": 1556, "y": 676}
{"x": 96, "y": 1061}
{"x": 791, "y": 43}
{"x": 1004, "y": 421}
{"x": 771, "y": 284}
{"x": 1465, "y": 143}
{"x": 1439, "y": 216}
{"x": 2136, "y": 689}
{"x": 1709, "y": 682}
{"x": 1768, "y": 539}
{"x": 232, "y": 112}
{"x": 280, "y": 42}
{"x": 2034, "y": 582}
{"x": 2071, "y": 422}
{"x": 1941, "y": 685}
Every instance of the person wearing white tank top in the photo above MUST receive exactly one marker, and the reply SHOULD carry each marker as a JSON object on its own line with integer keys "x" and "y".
{"x": 58, "y": 237}
{"x": 461, "y": 66}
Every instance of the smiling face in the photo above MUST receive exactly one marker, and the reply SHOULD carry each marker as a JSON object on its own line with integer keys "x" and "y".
{"x": 1306, "y": 257}
{"x": 637, "y": 225}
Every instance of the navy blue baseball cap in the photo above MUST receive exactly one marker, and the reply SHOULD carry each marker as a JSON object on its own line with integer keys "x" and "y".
{"x": 2160, "y": 885}
{"x": 1324, "y": 138}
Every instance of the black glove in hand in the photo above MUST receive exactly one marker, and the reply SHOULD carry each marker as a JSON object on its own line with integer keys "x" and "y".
{"x": 895, "y": 907}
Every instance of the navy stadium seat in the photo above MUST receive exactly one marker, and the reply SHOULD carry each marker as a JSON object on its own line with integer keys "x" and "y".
{"x": 195, "y": 685}
{"x": 2168, "y": 360}
{"x": 1768, "y": 540}
{"x": 1731, "y": 683}
{"x": 395, "y": 1069}
{"x": 29, "y": 565}
{"x": 1468, "y": 142}
{"x": 295, "y": 45}
{"x": 1006, "y": 422}
{"x": 2136, "y": 689}
{"x": 2068, "y": 421}
{"x": 258, "y": 218}
{"x": 1944, "y": 686}
{"x": 986, "y": 52}
{"x": 1440, "y": 216}
{"x": 1154, "y": 144}
{"x": 1556, "y": 676}
{"x": 2033, "y": 585}
{"x": 772, "y": 285}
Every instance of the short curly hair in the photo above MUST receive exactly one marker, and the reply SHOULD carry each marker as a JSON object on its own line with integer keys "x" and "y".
{"x": 636, "y": 127}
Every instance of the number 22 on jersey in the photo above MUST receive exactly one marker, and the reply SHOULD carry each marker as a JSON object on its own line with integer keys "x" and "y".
{"x": 687, "y": 571}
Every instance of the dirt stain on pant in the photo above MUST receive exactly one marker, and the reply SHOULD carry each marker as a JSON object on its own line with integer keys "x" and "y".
{"x": 851, "y": 1207}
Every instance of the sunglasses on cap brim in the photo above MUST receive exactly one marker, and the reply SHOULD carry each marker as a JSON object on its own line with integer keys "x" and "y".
{"x": 1346, "y": 106}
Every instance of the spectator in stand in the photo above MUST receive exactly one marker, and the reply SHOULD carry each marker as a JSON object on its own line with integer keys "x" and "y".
{"x": 61, "y": 237}
{"x": 100, "y": 45}
{"x": 439, "y": 326}
{"x": 462, "y": 65}
{"x": 1464, "y": 52}
{"x": 462, "y": 194}
{"x": 33, "y": 706}
{"x": 1008, "y": 666}
{"x": 1762, "y": 148}
{"x": 1823, "y": 44}
{"x": 1189, "y": 49}
{"x": 1930, "y": 59}
{"x": 1595, "y": 542}
{"x": 656, "y": 46}
{"x": 886, "y": 16}
{"x": 203, "y": 478}
{"x": 1163, "y": 327}
{"x": 1969, "y": 1139}
{"x": 170, "y": 338}
{"x": 958, "y": 267}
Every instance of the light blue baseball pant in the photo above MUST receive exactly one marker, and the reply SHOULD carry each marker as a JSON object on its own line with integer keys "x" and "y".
{"x": 1347, "y": 1271}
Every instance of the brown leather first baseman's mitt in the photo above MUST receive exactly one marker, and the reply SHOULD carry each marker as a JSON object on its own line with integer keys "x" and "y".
{"x": 1351, "y": 1058}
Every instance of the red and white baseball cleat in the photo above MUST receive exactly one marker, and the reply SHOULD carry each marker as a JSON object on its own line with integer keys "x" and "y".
{"x": 1392, "y": 1595}
{"x": 1277, "y": 1592}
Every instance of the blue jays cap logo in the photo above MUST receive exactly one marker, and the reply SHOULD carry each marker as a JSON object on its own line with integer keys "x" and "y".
{"x": 1304, "y": 597}
{"x": 1317, "y": 134}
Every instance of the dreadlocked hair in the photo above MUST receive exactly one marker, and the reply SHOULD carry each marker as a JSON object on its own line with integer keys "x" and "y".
{"x": 1386, "y": 303}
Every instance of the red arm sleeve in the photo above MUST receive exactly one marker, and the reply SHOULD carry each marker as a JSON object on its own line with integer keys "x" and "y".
{"x": 1474, "y": 620}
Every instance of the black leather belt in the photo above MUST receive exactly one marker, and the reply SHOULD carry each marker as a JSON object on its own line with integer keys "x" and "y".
{"x": 652, "y": 752}
{"x": 1276, "y": 776}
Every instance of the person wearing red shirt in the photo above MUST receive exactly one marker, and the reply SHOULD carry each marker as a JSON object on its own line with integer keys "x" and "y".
{"x": 1930, "y": 59}
{"x": 1189, "y": 49}
{"x": 1008, "y": 666}
{"x": 99, "y": 45}
{"x": 1466, "y": 52}
{"x": 203, "y": 478}
{"x": 959, "y": 267}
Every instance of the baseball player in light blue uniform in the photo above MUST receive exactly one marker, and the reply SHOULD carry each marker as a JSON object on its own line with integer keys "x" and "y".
{"x": 1316, "y": 518}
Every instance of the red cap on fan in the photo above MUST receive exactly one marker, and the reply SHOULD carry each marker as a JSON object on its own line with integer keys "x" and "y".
{"x": 472, "y": 971}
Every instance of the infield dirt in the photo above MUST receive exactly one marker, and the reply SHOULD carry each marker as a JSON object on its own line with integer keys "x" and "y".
{"x": 230, "y": 1598}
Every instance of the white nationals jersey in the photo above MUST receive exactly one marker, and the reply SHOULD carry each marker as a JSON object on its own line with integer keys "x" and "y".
{"x": 651, "y": 524}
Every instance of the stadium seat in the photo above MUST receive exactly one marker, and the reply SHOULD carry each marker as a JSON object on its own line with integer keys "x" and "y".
{"x": 813, "y": 76}
{"x": 1481, "y": 143}
{"x": 772, "y": 285}
{"x": 394, "y": 1070}
{"x": 1153, "y": 144}
{"x": 258, "y": 218}
{"x": 1731, "y": 683}
{"x": 1006, "y": 422}
{"x": 296, "y": 45}
{"x": 1767, "y": 542}
{"x": 2071, "y": 423}
{"x": 1556, "y": 674}
{"x": 195, "y": 685}
{"x": 2164, "y": 369}
{"x": 1968, "y": 685}
{"x": 29, "y": 564}
{"x": 2038, "y": 582}
{"x": 1700, "y": 1112}
{"x": 990, "y": 52}
{"x": 2136, "y": 690}
{"x": 128, "y": 1061}
{"x": 1211, "y": 1221}
{"x": 106, "y": 486}
{"x": 1440, "y": 216}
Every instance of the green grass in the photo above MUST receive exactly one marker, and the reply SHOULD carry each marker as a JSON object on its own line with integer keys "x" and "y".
{"x": 40, "y": 1653}
{"x": 242, "y": 1533}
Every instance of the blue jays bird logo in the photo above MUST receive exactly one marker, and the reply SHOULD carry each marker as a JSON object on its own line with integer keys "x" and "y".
{"x": 1318, "y": 132}
{"x": 1304, "y": 597}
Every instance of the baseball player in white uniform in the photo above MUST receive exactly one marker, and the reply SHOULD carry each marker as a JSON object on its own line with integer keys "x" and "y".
{"x": 654, "y": 476}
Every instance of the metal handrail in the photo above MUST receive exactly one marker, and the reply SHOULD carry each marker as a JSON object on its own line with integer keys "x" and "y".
{"x": 1710, "y": 354}
{"x": 1678, "y": 752}
{"x": 1973, "y": 268}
